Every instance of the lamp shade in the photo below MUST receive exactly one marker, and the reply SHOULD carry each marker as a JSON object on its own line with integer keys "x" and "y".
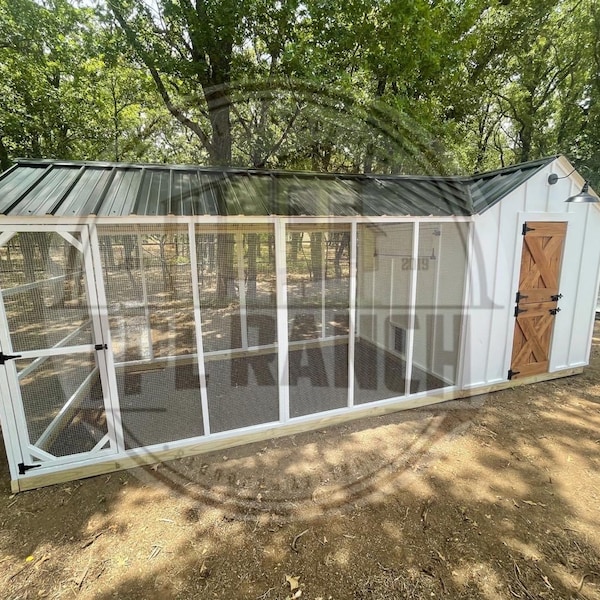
{"x": 583, "y": 196}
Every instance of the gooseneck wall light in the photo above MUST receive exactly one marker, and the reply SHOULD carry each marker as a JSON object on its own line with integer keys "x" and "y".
{"x": 583, "y": 196}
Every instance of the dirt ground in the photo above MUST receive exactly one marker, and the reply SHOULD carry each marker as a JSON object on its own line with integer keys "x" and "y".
{"x": 496, "y": 497}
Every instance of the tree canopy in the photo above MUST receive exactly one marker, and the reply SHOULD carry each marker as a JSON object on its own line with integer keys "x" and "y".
{"x": 343, "y": 85}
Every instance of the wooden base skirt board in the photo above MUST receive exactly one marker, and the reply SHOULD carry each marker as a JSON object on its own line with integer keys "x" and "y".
{"x": 141, "y": 458}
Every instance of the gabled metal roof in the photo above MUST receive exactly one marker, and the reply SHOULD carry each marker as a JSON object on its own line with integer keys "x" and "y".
{"x": 488, "y": 188}
{"x": 77, "y": 189}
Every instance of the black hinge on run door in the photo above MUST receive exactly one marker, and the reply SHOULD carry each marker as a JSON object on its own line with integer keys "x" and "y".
{"x": 5, "y": 357}
{"x": 23, "y": 468}
{"x": 512, "y": 373}
{"x": 526, "y": 229}
{"x": 518, "y": 311}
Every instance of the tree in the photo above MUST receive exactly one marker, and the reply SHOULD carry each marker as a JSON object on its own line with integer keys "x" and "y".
{"x": 68, "y": 88}
{"x": 527, "y": 76}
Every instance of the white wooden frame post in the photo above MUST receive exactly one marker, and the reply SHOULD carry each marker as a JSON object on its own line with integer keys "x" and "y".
{"x": 282, "y": 320}
{"x": 324, "y": 251}
{"x": 436, "y": 296}
{"x": 8, "y": 398}
{"x": 461, "y": 366}
{"x": 109, "y": 380}
{"x": 140, "y": 248}
{"x": 412, "y": 310}
{"x": 198, "y": 326}
{"x": 239, "y": 242}
{"x": 352, "y": 328}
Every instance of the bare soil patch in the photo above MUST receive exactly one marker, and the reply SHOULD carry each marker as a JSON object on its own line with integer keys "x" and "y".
{"x": 496, "y": 497}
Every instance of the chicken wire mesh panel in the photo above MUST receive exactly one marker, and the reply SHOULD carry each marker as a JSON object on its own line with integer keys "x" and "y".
{"x": 318, "y": 285}
{"x": 127, "y": 302}
{"x": 148, "y": 283}
{"x": 63, "y": 403}
{"x": 236, "y": 277}
{"x": 441, "y": 272}
{"x": 43, "y": 289}
{"x": 384, "y": 267}
{"x": 160, "y": 404}
{"x": 147, "y": 274}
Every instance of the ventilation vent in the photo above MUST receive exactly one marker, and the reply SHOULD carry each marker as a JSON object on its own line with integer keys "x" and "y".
{"x": 399, "y": 339}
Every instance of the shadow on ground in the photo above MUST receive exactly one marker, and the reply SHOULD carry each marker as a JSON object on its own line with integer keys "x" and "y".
{"x": 490, "y": 498}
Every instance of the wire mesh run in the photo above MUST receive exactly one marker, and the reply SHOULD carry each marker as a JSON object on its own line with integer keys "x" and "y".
{"x": 318, "y": 300}
{"x": 64, "y": 404}
{"x": 238, "y": 311}
{"x": 44, "y": 293}
{"x": 194, "y": 324}
{"x": 148, "y": 286}
{"x": 441, "y": 273}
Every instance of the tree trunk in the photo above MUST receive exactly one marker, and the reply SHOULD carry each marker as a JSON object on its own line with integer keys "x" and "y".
{"x": 4, "y": 158}
{"x": 342, "y": 243}
{"x": 295, "y": 244}
{"x": 252, "y": 270}
{"x": 218, "y": 103}
{"x": 27, "y": 243}
{"x": 316, "y": 255}
{"x": 225, "y": 271}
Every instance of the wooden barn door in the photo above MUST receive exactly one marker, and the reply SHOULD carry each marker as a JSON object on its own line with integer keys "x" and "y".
{"x": 537, "y": 297}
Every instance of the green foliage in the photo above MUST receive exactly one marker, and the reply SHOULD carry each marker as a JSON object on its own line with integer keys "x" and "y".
{"x": 69, "y": 89}
{"x": 345, "y": 85}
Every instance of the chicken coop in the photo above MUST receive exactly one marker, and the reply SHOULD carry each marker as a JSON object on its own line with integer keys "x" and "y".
{"x": 148, "y": 312}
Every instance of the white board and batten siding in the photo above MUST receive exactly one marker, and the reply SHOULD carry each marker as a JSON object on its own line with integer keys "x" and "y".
{"x": 495, "y": 268}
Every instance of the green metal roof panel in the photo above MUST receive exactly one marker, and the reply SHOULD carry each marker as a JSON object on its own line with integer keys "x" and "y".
{"x": 119, "y": 198}
{"x": 487, "y": 189}
{"x": 90, "y": 187}
{"x": 44, "y": 197}
{"x": 16, "y": 182}
{"x": 71, "y": 188}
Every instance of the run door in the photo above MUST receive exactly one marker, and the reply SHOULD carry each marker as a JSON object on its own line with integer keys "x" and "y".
{"x": 536, "y": 302}
{"x": 52, "y": 360}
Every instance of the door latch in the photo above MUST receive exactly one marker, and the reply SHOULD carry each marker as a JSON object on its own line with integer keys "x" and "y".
{"x": 5, "y": 357}
{"x": 23, "y": 468}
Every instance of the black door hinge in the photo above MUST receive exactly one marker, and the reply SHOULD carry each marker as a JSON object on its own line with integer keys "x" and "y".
{"x": 5, "y": 357}
{"x": 512, "y": 373}
{"x": 23, "y": 468}
{"x": 518, "y": 311}
{"x": 520, "y": 297}
{"x": 553, "y": 311}
{"x": 101, "y": 347}
{"x": 526, "y": 229}
{"x": 556, "y": 297}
